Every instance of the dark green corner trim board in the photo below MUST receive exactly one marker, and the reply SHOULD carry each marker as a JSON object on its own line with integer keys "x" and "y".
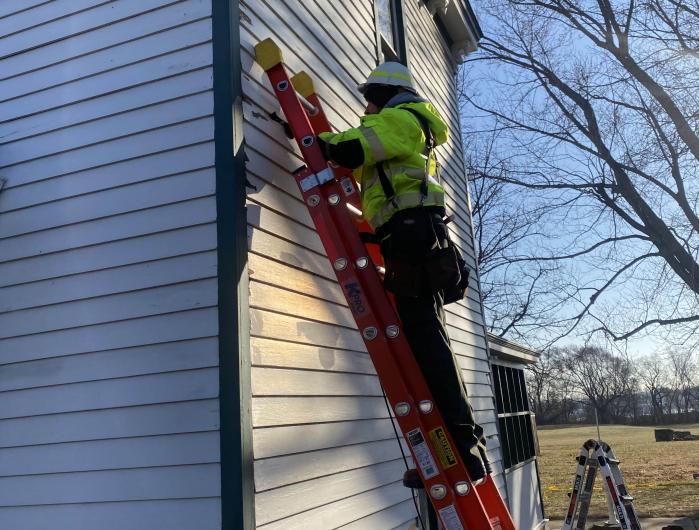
{"x": 237, "y": 489}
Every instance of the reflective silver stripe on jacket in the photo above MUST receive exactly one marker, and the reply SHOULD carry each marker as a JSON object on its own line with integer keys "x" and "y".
{"x": 374, "y": 143}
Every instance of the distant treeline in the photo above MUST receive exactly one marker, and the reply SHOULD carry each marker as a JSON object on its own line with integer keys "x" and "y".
{"x": 570, "y": 385}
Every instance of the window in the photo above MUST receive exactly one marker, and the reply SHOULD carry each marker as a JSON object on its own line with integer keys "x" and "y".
{"x": 517, "y": 425}
{"x": 390, "y": 31}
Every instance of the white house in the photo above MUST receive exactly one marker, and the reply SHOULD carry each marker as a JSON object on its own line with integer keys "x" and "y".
{"x": 174, "y": 350}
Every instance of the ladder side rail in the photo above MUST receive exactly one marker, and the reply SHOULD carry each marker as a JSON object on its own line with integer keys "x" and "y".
{"x": 304, "y": 85}
{"x": 487, "y": 489}
{"x": 577, "y": 484}
{"x": 611, "y": 489}
{"x": 586, "y": 494}
{"x": 409, "y": 372}
{"x": 473, "y": 518}
{"x": 621, "y": 486}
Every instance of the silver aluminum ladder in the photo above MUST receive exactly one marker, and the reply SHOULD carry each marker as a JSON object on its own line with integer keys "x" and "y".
{"x": 596, "y": 455}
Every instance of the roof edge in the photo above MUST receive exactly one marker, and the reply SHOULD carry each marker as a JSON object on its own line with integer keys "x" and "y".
{"x": 509, "y": 350}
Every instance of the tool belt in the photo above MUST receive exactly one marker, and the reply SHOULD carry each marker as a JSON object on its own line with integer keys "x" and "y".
{"x": 420, "y": 257}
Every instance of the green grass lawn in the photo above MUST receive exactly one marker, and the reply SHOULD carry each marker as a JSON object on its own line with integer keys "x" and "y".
{"x": 658, "y": 474}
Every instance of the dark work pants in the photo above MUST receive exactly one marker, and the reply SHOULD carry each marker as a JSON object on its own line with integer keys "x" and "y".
{"x": 411, "y": 235}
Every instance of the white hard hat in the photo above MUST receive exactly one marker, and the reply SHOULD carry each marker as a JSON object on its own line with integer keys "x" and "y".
{"x": 389, "y": 73}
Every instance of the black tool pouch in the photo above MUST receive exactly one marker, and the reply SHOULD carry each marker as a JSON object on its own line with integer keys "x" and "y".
{"x": 402, "y": 277}
{"x": 457, "y": 291}
{"x": 442, "y": 268}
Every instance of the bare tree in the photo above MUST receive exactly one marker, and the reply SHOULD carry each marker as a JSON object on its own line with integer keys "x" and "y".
{"x": 654, "y": 380}
{"x": 606, "y": 380}
{"x": 548, "y": 388}
{"x": 683, "y": 381}
{"x": 593, "y": 109}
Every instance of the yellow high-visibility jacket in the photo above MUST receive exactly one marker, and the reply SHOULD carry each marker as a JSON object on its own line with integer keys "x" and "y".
{"x": 395, "y": 137}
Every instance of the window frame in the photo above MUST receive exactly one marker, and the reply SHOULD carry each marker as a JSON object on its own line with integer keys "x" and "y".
{"x": 384, "y": 50}
{"x": 514, "y": 417}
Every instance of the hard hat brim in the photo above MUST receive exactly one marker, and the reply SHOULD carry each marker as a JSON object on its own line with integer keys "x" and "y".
{"x": 365, "y": 86}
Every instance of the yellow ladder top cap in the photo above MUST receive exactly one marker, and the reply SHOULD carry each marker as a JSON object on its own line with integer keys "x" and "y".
{"x": 267, "y": 54}
{"x": 303, "y": 84}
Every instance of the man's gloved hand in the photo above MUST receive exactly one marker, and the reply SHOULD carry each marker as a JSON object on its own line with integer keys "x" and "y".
{"x": 347, "y": 154}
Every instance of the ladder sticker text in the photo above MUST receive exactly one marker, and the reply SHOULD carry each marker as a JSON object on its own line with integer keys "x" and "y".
{"x": 442, "y": 448}
{"x": 450, "y": 520}
{"x": 422, "y": 454}
{"x": 354, "y": 297}
{"x": 347, "y": 186}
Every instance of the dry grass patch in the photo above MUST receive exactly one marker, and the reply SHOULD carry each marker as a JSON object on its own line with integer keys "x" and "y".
{"x": 658, "y": 474}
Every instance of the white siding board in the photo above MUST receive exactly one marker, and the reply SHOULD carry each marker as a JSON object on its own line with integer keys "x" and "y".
{"x": 178, "y": 215}
{"x": 141, "y": 169}
{"x": 146, "y": 420}
{"x": 400, "y": 516}
{"x": 147, "y": 302}
{"x": 270, "y": 298}
{"x": 46, "y": 13}
{"x": 55, "y": 27}
{"x": 282, "y": 382}
{"x": 179, "y": 110}
{"x": 283, "y": 227}
{"x": 125, "y": 453}
{"x": 122, "y": 334}
{"x": 124, "y": 362}
{"x": 275, "y": 504}
{"x": 278, "y": 201}
{"x": 275, "y": 353}
{"x": 8, "y": 9}
{"x": 107, "y": 60}
{"x": 92, "y": 39}
{"x": 140, "y": 196}
{"x": 110, "y": 281}
{"x": 284, "y": 327}
{"x": 104, "y": 486}
{"x": 138, "y": 97}
{"x": 109, "y": 381}
{"x": 297, "y": 48}
{"x": 337, "y": 514}
{"x": 119, "y": 392}
{"x": 268, "y": 411}
{"x": 292, "y": 279}
{"x": 151, "y": 247}
{"x": 286, "y": 252}
{"x": 160, "y": 67}
{"x": 143, "y": 515}
{"x": 283, "y": 440}
{"x": 276, "y": 472}
{"x": 104, "y": 153}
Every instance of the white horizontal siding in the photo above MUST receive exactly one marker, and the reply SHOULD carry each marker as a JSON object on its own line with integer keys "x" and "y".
{"x": 109, "y": 412}
{"x": 173, "y": 514}
{"x": 320, "y": 423}
{"x": 318, "y": 413}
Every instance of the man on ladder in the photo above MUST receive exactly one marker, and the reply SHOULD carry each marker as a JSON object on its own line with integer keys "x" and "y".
{"x": 392, "y": 155}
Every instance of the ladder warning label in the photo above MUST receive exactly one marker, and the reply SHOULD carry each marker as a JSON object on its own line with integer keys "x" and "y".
{"x": 442, "y": 447}
{"x": 422, "y": 454}
{"x": 347, "y": 186}
{"x": 450, "y": 520}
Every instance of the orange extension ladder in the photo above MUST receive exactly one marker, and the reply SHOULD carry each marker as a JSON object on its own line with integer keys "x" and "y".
{"x": 332, "y": 197}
